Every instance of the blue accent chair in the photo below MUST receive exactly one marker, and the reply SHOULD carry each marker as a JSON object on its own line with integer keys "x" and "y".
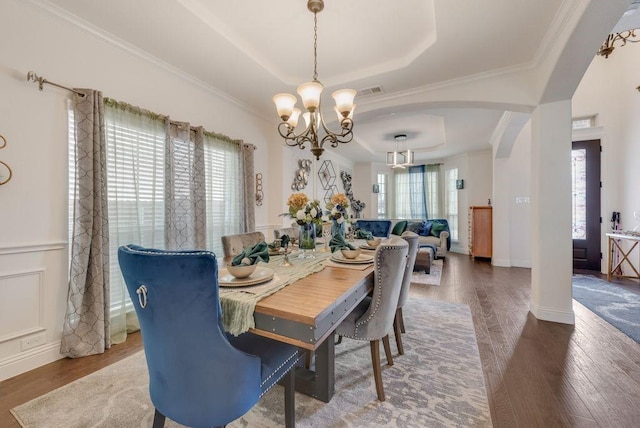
{"x": 198, "y": 375}
{"x": 378, "y": 228}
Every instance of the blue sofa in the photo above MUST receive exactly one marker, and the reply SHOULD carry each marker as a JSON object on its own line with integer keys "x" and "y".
{"x": 434, "y": 232}
{"x": 378, "y": 228}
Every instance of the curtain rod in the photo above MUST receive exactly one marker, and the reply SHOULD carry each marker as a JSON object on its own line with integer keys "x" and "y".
{"x": 33, "y": 77}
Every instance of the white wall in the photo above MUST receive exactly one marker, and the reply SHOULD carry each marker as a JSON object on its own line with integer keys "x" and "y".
{"x": 33, "y": 219}
{"x": 519, "y": 167}
{"x": 608, "y": 91}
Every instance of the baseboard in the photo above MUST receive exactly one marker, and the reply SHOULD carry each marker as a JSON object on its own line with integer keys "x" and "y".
{"x": 553, "y": 315}
{"x": 511, "y": 263}
{"x": 521, "y": 263}
{"x": 501, "y": 262}
{"x": 29, "y": 360}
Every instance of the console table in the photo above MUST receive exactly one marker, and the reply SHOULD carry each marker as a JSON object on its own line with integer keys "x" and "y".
{"x": 613, "y": 243}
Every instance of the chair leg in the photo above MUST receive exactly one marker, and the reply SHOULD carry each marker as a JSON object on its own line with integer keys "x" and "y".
{"x": 401, "y": 321}
{"x": 387, "y": 350}
{"x": 158, "y": 420}
{"x": 397, "y": 332}
{"x": 377, "y": 371}
{"x": 339, "y": 341}
{"x": 289, "y": 398}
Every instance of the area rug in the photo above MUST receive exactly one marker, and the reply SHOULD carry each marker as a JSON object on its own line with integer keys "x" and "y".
{"x": 619, "y": 306}
{"x": 438, "y": 382}
{"x": 431, "y": 278}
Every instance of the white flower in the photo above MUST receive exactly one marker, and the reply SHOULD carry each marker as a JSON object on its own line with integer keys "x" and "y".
{"x": 313, "y": 212}
{"x": 334, "y": 211}
{"x": 300, "y": 215}
{"x": 340, "y": 220}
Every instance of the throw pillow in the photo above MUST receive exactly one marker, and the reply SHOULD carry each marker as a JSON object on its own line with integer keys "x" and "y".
{"x": 399, "y": 228}
{"x": 426, "y": 228}
{"x": 414, "y": 226}
{"x": 437, "y": 227}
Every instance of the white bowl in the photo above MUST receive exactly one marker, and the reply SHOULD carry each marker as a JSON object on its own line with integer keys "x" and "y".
{"x": 241, "y": 271}
{"x": 374, "y": 242}
{"x": 350, "y": 254}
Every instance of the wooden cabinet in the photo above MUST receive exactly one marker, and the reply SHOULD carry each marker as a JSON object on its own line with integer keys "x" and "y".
{"x": 480, "y": 231}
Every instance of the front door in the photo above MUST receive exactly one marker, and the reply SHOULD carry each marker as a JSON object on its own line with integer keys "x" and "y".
{"x": 585, "y": 172}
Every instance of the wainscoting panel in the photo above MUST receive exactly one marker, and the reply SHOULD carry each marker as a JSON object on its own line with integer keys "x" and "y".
{"x": 23, "y": 313}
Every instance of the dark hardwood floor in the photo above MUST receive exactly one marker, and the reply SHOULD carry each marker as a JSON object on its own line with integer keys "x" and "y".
{"x": 537, "y": 373}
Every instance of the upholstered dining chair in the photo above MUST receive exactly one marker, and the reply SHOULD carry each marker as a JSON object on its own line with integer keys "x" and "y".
{"x": 398, "y": 322}
{"x": 291, "y": 232}
{"x": 233, "y": 244}
{"x": 198, "y": 375}
{"x": 372, "y": 319}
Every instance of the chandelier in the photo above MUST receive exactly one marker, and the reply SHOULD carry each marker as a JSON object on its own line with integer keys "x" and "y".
{"x": 310, "y": 94}
{"x": 608, "y": 45}
{"x": 398, "y": 158}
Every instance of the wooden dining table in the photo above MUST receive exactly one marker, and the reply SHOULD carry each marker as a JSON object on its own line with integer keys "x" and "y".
{"x": 306, "y": 313}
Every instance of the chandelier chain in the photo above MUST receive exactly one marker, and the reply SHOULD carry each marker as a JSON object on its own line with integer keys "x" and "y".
{"x": 315, "y": 46}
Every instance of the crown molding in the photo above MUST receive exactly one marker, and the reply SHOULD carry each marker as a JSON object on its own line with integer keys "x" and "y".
{"x": 421, "y": 90}
{"x": 564, "y": 22}
{"x": 127, "y": 47}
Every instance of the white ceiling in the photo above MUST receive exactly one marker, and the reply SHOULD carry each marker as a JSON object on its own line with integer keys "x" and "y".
{"x": 251, "y": 50}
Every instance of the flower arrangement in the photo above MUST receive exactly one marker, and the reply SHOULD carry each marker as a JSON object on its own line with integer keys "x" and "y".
{"x": 338, "y": 208}
{"x": 303, "y": 210}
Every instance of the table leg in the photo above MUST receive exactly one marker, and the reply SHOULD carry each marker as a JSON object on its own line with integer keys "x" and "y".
{"x": 320, "y": 383}
{"x": 610, "y": 258}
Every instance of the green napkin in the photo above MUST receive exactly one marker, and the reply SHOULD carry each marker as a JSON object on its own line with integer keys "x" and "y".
{"x": 364, "y": 234}
{"x": 255, "y": 254}
{"x": 338, "y": 242}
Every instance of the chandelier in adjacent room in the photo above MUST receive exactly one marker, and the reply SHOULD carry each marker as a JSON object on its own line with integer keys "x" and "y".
{"x": 316, "y": 133}
{"x": 400, "y": 158}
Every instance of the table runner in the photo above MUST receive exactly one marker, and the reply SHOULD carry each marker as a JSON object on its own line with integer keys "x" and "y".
{"x": 238, "y": 306}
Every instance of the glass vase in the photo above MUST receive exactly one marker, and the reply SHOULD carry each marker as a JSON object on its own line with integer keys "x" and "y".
{"x": 307, "y": 239}
{"x": 338, "y": 228}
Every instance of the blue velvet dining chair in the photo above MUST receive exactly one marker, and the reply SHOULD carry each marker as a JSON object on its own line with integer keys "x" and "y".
{"x": 372, "y": 319}
{"x": 198, "y": 375}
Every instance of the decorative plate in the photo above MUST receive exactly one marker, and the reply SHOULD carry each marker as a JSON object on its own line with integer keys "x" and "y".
{"x": 260, "y": 275}
{"x": 275, "y": 252}
{"x": 361, "y": 259}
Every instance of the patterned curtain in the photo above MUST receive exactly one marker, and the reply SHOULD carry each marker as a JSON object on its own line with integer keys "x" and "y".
{"x": 417, "y": 194}
{"x": 86, "y": 328}
{"x": 185, "y": 197}
{"x": 249, "y": 186}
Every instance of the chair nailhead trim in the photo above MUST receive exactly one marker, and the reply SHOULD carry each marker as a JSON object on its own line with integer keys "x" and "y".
{"x": 276, "y": 370}
{"x": 166, "y": 253}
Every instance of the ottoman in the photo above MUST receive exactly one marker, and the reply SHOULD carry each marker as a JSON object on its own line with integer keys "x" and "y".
{"x": 424, "y": 257}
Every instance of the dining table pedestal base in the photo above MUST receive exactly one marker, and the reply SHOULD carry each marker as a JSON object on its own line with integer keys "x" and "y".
{"x": 319, "y": 383}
